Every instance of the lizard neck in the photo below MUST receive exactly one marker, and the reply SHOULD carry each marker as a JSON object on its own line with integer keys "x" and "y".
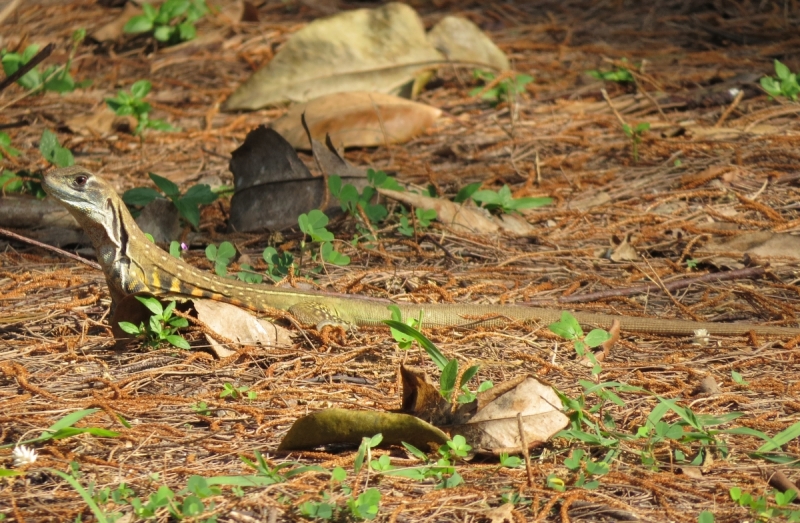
{"x": 112, "y": 239}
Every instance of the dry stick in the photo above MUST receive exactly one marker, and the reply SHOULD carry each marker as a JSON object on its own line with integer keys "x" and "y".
{"x": 525, "y": 452}
{"x": 613, "y": 109}
{"x": 734, "y": 104}
{"x": 745, "y": 274}
{"x": 75, "y": 257}
{"x": 36, "y": 60}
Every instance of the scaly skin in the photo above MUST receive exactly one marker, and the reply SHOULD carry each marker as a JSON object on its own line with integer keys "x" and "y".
{"x": 133, "y": 264}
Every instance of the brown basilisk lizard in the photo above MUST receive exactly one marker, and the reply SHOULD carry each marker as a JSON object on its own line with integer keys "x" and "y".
{"x": 132, "y": 264}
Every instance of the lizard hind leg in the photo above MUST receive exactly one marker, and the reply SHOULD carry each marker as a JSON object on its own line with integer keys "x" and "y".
{"x": 319, "y": 315}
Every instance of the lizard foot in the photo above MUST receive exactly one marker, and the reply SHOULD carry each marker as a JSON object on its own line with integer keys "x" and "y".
{"x": 319, "y": 315}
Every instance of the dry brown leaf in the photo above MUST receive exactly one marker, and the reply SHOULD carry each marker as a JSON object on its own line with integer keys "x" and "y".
{"x": 337, "y": 426}
{"x": 460, "y": 40}
{"x": 761, "y": 243}
{"x": 114, "y": 29}
{"x": 463, "y": 217}
{"x": 238, "y": 325}
{"x": 625, "y": 252}
{"x": 502, "y": 514}
{"x": 494, "y": 428}
{"x": 422, "y": 399}
{"x": 375, "y": 50}
{"x": 101, "y": 121}
{"x": 356, "y": 119}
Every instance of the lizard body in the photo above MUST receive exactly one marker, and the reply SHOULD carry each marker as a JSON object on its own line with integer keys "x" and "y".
{"x": 133, "y": 264}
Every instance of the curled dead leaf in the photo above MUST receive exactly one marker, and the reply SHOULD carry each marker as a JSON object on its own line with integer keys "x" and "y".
{"x": 495, "y": 427}
{"x": 374, "y": 50}
{"x": 356, "y": 119}
{"x": 460, "y": 40}
{"x": 338, "y": 426}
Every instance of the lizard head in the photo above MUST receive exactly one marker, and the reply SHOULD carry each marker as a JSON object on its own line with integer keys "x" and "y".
{"x": 81, "y": 192}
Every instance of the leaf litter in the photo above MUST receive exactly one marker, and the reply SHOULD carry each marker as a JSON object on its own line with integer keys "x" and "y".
{"x": 559, "y": 138}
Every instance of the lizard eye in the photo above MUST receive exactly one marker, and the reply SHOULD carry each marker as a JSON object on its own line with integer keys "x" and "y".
{"x": 80, "y": 180}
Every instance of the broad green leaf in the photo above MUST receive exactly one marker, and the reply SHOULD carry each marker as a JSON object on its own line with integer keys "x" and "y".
{"x": 152, "y": 304}
{"x": 469, "y": 374}
{"x": 781, "y": 71}
{"x": 447, "y": 382}
{"x": 189, "y": 212}
{"x": 140, "y": 196}
{"x": 139, "y": 90}
{"x": 178, "y": 341}
{"x": 138, "y": 24}
{"x": 596, "y": 337}
{"x": 529, "y": 203}
{"x": 167, "y": 187}
{"x": 200, "y": 194}
{"x": 128, "y": 327}
{"x": 437, "y": 357}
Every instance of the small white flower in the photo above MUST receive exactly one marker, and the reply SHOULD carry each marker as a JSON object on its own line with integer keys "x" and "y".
{"x": 23, "y": 456}
{"x": 700, "y": 337}
{"x": 734, "y": 91}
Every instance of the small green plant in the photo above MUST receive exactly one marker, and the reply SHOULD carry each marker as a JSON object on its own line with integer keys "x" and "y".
{"x": 760, "y": 505}
{"x": 313, "y": 225}
{"x": 619, "y": 74}
{"x": 635, "y": 135}
{"x": 359, "y": 205}
{"x": 188, "y": 204}
{"x": 53, "y": 152}
{"x": 132, "y": 103}
{"x": 738, "y": 379}
{"x": 466, "y": 192}
{"x": 221, "y": 257}
{"x": 5, "y": 146}
{"x": 784, "y": 85}
{"x": 162, "y": 326}
{"x": 28, "y": 182}
{"x": 705, "y": 517}
{"x": 691, "y": 263}
{"x": 448, "y": 368}
{"x": 569, "y": 329}
{"x": 172, "y": 23}
{"x": 279, "y": 264}
{"x": 64, "y": 428}
{"x": 404, "y": 341}
{"x": 201, "y": 407}
{"x": 582, "y": 464}
{"x": 366, "y": 505}
{"x": 424, "y": 217}
{"x": 54, "y": 78}
{"x": 510, "y": 462}
{"x": 503, "y": 91}
{"x": 502, "y": 201}
{"x": 230, "y": 391}
{"x": 248, "y": 275}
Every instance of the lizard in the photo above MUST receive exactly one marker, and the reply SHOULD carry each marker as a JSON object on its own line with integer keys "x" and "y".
{"x": 132, "y": 264}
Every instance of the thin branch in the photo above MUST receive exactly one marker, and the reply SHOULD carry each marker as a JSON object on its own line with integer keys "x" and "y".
{"x": 62, "y": 252}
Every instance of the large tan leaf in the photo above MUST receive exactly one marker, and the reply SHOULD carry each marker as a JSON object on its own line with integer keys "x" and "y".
{"x": 462, "y": 41}
{"x": 356, "y": 119}
{"x": 495, "y": 428}
{"x": 238, "y": 326}
{"x": 376, "y": 50}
